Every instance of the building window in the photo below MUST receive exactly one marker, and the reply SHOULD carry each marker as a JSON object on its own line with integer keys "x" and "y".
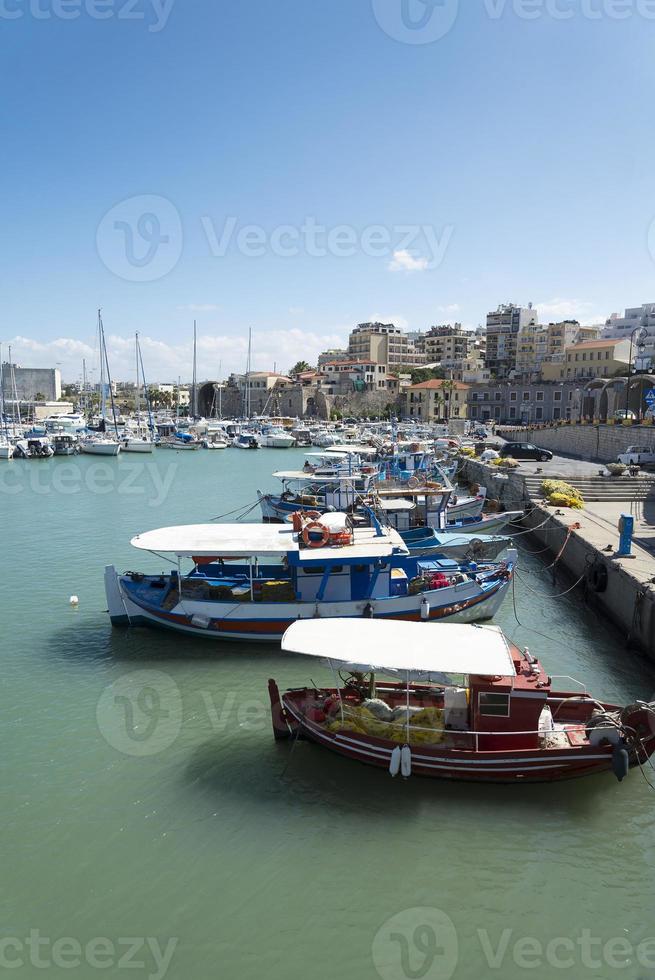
{"x": 512, "y": 413}
{"x": 539, "y": 413}
{"x": 512, "y": 396}
{"x": 557, "y": 396}
{"x": 540, "y": 396}
{"x": 526, "y": 396}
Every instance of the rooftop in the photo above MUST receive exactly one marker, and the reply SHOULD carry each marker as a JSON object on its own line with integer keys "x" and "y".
{"x": 595, "y": 343}
{"x": 437, "y": 383}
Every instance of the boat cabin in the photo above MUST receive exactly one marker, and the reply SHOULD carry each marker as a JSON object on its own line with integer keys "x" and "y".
{"x": 488, "y": 695}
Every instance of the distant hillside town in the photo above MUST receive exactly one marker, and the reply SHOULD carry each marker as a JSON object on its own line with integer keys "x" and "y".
{"x": 513, "y": 370}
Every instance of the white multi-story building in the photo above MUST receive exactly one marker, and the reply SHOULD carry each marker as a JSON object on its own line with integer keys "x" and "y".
{"x": 627, "y": 326}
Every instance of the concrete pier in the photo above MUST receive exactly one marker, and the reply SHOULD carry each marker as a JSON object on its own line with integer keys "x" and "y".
{"x": 622, "y": 588}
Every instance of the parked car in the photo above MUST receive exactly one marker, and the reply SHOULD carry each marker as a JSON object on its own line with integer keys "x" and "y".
{"x": 624, "y": 415}
{"x": 525, "y": 450}
{"x": 637, "y": 456}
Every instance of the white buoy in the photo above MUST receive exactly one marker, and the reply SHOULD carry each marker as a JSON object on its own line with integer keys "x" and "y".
{"x": 74, "y": 601}
{"x": 406, "y": 762}
{"x": 394, "y": 764}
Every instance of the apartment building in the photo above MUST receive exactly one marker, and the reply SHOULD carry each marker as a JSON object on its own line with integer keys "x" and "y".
{"x": 635, "y": 320}
{"x": 503, "y": 329}
{"x": 448, "y": 345}
{"x": 383, "y": 343}
{"x": 357, "y": 375}
{"x": 435, "y": 401}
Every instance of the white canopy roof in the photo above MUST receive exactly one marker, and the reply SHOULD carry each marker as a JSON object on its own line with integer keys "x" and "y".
{"x": 396, "y": 504}
{"x": 248, "y": 540}
{"x": 399, "y": 647}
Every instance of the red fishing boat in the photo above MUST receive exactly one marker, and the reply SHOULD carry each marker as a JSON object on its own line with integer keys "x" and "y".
{"x": 462, "y": 702}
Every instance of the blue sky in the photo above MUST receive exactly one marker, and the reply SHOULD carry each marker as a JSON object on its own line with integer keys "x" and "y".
{"x": 509, "y": 159}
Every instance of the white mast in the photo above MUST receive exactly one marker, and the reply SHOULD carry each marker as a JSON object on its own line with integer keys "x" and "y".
{"x": 103, "y": 395}
{"x": 194, "y": 398}
{"x": 137, "y": 403}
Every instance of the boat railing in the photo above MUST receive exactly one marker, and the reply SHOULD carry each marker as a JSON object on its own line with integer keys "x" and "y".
{"x": 408, "y": 730}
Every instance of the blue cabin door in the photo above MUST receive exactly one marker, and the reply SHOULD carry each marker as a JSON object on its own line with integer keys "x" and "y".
{"x": 360, "y": 580}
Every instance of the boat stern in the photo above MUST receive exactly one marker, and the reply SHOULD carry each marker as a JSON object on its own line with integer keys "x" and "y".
{"x": 115, "y": 604}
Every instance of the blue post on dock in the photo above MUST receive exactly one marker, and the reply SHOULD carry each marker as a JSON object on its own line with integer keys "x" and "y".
{"x": 626, "y": 532}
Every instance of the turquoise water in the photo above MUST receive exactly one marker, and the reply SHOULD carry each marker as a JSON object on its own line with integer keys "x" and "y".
{"x": 144, "y": 796}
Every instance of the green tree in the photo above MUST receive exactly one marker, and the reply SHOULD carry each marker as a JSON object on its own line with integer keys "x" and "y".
{"x": 300, "y": 368}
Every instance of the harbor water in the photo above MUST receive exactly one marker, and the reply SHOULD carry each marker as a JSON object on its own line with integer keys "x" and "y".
{"x": 145, "y": 800}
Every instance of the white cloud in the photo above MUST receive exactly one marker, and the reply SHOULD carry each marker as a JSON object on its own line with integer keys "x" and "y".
{"x": 452, "y": 308}
{"x": 165, "y": 362}
{"x": 569, "y": 309}
{"x": 404, "y": 261}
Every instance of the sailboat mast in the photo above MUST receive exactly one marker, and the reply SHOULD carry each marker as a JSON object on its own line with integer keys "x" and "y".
{"x": 194, "y": 398}
{"x": 137, "y": 400}
{"x": 14, "y": 392}
{"x": 248, "y": 367}
{"x": 103, "y": 393}
{"x": 2, "y": 397}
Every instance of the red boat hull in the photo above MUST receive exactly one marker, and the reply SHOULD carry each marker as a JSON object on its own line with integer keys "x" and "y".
{"x": 535, "y": 765}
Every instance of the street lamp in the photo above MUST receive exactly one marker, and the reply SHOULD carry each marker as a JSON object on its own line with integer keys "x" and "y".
{"x": 638, "y": 338}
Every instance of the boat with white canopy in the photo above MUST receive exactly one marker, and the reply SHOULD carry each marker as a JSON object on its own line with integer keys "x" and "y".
{"x": 465, "y": 703}
{"x": 249, "y": 581}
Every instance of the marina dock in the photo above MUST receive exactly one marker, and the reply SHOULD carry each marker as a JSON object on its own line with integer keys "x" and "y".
{"x": 585, "y": 543}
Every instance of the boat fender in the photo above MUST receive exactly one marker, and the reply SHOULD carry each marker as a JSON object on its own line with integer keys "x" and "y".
{"x": 406, "y": 762}
{"x": 620, "y": 762}
{"x": 425, "y": 609}
{"x": 394, "y": 763}
{"x": 597, "y": 577}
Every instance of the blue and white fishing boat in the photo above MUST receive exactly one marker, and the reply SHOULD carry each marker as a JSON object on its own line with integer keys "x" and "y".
{"x": 250, "y": 582}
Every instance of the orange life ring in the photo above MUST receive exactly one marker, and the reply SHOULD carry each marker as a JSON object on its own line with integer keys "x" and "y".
{"x": 312, "y": 515}
{"x": 341, "y": 538}
{"x": 315, "y": 526}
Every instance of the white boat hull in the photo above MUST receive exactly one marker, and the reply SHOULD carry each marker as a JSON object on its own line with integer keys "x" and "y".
{"x": 137, "y": 446}
{"x": 267, "y": 621}
{"x": 100, "y": 448}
